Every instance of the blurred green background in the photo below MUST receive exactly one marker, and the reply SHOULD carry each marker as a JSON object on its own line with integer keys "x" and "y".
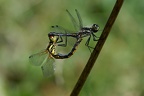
{"x": 24, "y": 25}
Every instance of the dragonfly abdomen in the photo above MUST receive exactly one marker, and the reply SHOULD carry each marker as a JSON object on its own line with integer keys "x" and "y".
{"x": 63, "y": 56}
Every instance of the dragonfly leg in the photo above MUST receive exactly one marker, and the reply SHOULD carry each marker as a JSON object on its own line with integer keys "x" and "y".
{"x": 61, "y": 40}
{"x": 87, "y": 44}
{"x": 95, "y": 37}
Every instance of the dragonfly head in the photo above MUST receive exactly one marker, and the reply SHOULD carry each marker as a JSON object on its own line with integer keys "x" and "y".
{"x": 52, "y": 37}
{"x": 95, "y": 28}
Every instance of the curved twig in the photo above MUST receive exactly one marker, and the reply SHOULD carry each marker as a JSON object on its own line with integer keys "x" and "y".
{"x": 97, "y": 48}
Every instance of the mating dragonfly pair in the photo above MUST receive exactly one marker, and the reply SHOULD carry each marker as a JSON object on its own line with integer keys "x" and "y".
{"x": 47, "y": 56}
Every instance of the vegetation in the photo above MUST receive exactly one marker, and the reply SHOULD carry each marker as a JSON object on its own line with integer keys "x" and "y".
{"x": 23, "y": 31}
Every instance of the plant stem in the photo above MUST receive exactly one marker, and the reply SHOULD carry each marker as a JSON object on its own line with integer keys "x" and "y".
{"x": 97, "y": 49}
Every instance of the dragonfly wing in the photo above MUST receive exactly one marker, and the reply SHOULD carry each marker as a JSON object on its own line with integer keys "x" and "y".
{"x": 79, "y": 18}
{"x": 38, "y": 58}
{"x": 61, "y": 29}
{"x": 48, "y": 67}
{"x": 75, "y": 23}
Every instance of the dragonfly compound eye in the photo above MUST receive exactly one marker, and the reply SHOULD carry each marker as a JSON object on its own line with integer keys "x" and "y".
{"x": 95, "y": 28}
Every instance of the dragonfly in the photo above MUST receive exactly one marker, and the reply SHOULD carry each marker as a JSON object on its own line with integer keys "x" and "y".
{"x": 79, "y": 35}
{"x": 46, "y": 58}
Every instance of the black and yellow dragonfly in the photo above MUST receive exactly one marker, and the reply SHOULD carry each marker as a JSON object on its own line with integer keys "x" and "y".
{"x": 44, "y": 59}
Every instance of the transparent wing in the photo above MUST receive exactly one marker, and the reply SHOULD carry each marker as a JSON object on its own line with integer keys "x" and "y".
{"x": 48, "y": 67}
{"x": 60, "y": 29}
{"x": 78, "y": 25}
{"x": 38, "y": 58}
{"x": 79, "y": 18}
{"x": 75, "y": 23}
